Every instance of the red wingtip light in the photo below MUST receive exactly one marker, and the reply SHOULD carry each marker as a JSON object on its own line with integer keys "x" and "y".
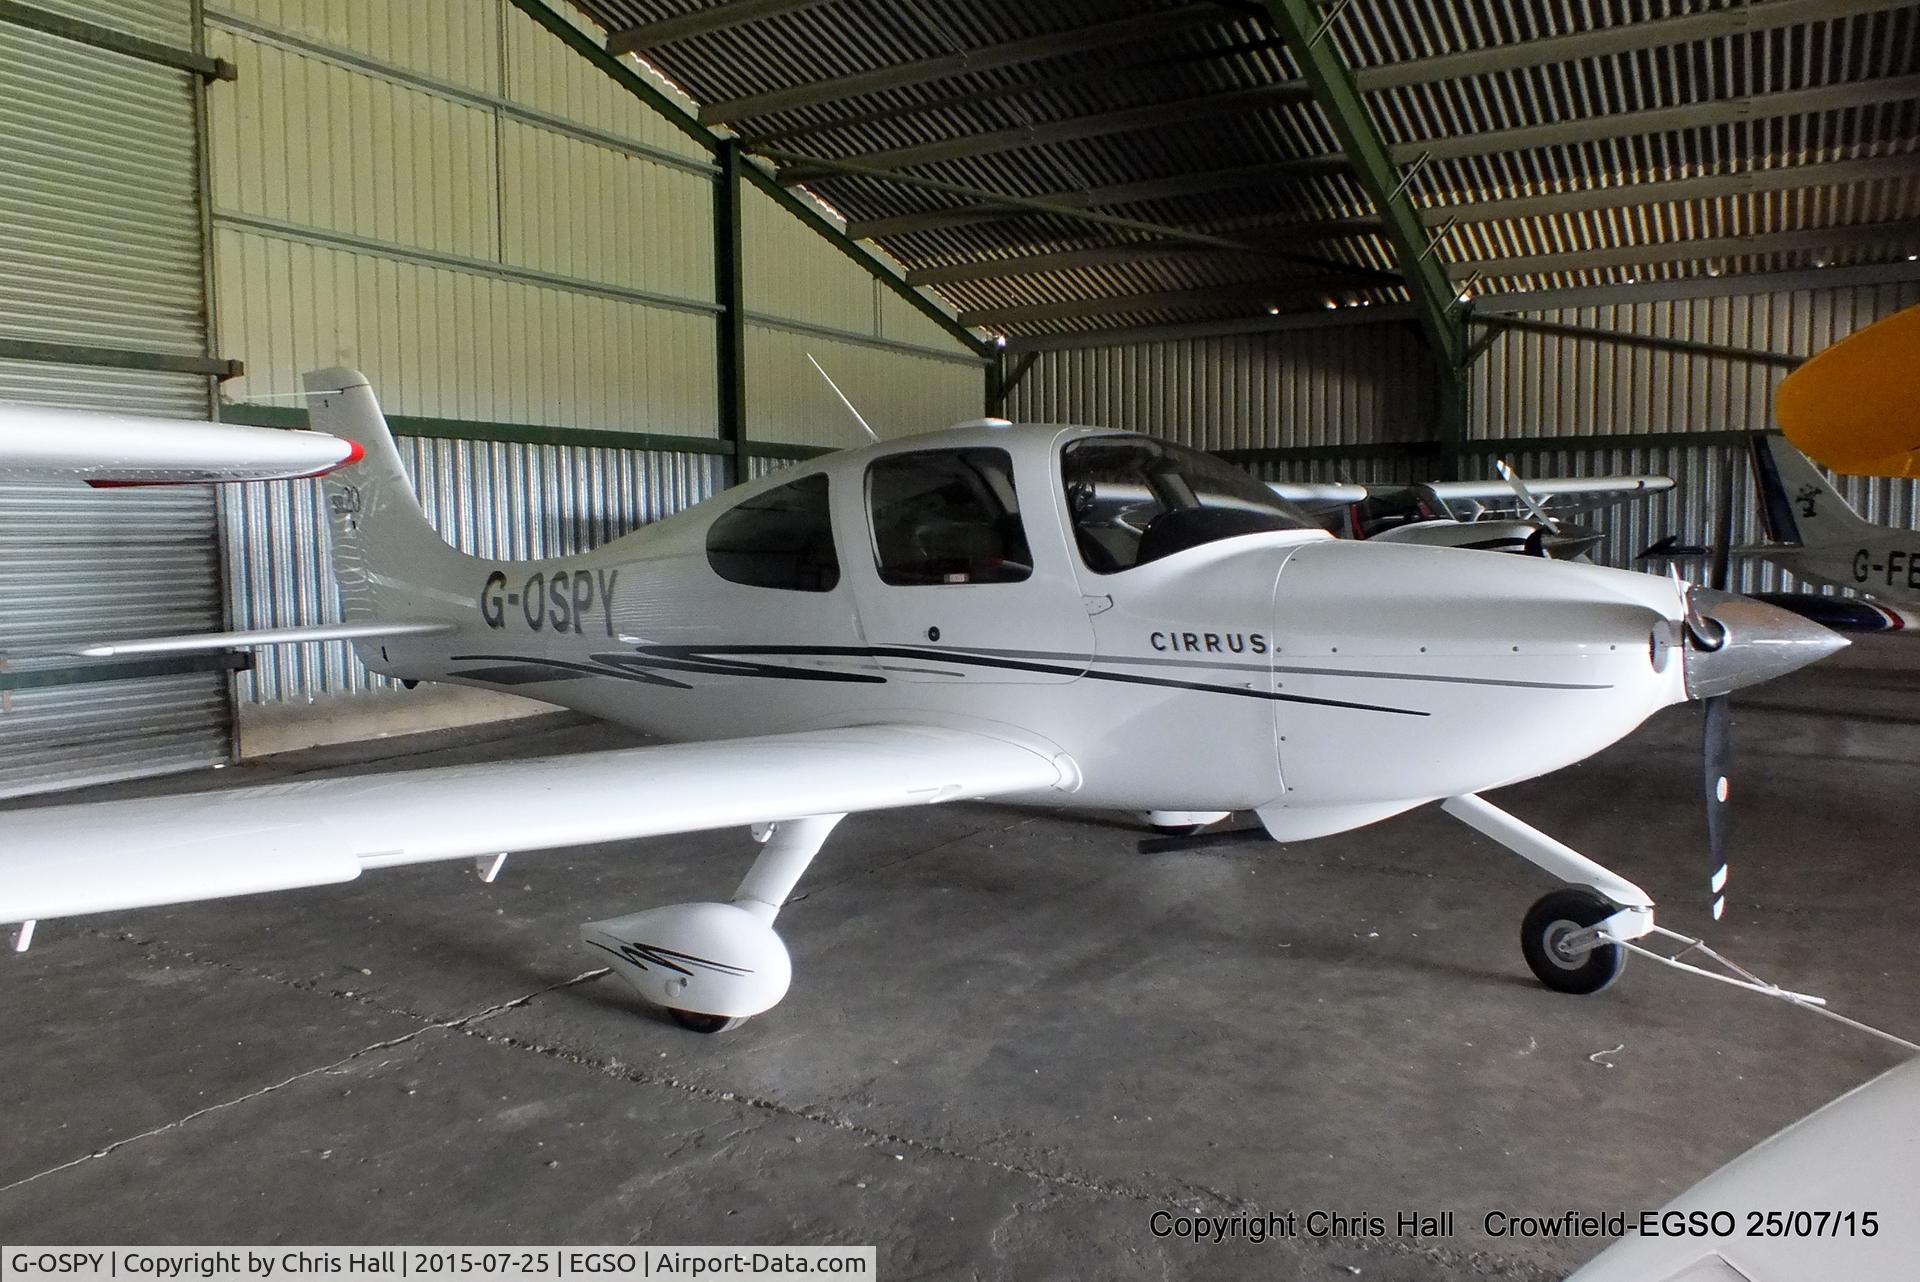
{"x": 354, "y": 454}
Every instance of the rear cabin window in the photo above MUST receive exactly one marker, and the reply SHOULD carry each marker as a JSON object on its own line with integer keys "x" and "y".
{"x": 780, "y": 539}
{"x": 947, "y": 517}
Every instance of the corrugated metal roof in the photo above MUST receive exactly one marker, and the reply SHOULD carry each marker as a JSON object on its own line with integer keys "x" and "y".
{"x": 1571, "y": 143}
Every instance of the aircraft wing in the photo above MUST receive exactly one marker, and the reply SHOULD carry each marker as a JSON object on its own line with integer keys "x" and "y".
{"x": 187, "y": 643}
{"x": 1318, "y": 495}
{"x": 128, "y": 449}
{"x": 1567, "y": 493}
{"x": 65, "y": 860}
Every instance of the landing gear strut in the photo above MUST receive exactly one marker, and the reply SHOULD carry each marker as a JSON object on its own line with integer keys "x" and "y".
{"x": 1570, "y": 937}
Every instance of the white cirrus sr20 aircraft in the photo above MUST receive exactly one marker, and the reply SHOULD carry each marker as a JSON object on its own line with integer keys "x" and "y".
{"x": 1056, "y": 616}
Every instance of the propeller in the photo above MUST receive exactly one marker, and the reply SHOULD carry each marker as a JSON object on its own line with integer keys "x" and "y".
{"x": 1556, "y": 539}
{"x": 1534, "y": 507}
{"x": 1716, "y": 714}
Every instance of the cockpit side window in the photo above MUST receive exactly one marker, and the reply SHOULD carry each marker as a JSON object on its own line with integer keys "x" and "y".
{"x": 782, "y": 538}
{"x": 947, "y": 517}
{"x": 1134, "y": 500}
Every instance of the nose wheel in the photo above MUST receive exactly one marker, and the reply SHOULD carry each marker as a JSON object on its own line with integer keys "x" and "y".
{"x": 1553, "y": 921}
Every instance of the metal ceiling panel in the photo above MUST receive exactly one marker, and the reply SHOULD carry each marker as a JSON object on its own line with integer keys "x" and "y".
{"x": 1451, "y": 77}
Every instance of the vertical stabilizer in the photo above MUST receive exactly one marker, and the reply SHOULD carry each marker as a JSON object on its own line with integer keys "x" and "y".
{"x": 1798, "y": 503}
{"x": 388, "y": 561}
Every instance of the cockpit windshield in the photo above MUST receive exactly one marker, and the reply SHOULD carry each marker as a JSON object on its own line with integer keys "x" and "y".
{"x": 1135, "y": 500}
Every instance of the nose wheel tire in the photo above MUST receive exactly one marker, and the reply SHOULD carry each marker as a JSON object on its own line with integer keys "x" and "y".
{"x": 1555, "y": 917}
{"x": 696, "y": 1022}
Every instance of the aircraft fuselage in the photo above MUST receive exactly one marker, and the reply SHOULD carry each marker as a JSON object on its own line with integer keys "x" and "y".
{"x": 1323, "y": 683}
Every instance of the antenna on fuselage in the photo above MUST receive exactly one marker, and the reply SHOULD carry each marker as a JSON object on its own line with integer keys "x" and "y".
{"x": 843, "y": 400}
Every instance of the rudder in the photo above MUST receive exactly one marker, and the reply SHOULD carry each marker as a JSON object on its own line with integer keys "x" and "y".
{"x": 1798, "y": 504}
{"x": 386, "y": 556}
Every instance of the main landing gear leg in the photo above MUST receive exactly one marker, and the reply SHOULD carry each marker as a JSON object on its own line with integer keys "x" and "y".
{"x": 1568, "y": 934}
{"x": 713, "y": 965}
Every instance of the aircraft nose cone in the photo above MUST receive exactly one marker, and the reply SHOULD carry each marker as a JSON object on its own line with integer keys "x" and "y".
{"x": 1761, "y": 642}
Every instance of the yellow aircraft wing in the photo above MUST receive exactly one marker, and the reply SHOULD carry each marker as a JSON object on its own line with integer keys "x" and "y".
{"x": 1855, "y": 407}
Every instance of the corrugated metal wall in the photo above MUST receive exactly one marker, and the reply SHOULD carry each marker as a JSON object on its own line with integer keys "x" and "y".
{"x": 1533, "y": 385}
{"x": 100, "y": 247}
{"x": 445, "y": 196}
{"x": 804, "y": 296}
{"x": 448, "y": 198}
{"x": 1343, "y": 385}
{"x": 1364, "y": 385}
{"x": 1686, "y": 511}
{"x": 495, "y": 499}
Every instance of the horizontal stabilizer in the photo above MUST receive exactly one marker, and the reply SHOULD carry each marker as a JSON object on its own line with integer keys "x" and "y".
{"x": 125, "y": 449}
{"x": 1671, "y": 548}
{"x": 58, "y": 861}
{"x": 197, "y": 641}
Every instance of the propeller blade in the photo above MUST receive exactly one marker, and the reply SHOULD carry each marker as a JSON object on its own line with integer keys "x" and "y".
{"x": 1525, "y": 495}
{"x": 1717, "y": 755}
{"x": 1723, "y": 532}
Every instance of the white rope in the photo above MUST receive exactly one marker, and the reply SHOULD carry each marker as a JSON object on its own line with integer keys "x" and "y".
{"x": 1751, "y": 982}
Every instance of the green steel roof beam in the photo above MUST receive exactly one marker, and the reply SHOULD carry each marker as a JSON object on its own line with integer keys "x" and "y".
{"x": 1274, "y": 173}
{"x": 718, "y": 17}
{"x": 1652, "y": 342}
{"x": 624, "y": 76}
{"x": 543, "y": 13}
{"x": 1277, "y": 234}
{"x": 1027, "y": 204}
{"x": 807, "y": 214}
{"x": 1896, "y": 237}
{"x": 1301, "y": 25}
{"x": 1248, "y": 295}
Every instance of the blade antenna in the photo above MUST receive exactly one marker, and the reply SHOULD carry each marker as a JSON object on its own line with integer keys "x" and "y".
{"x": 875, "y": 436}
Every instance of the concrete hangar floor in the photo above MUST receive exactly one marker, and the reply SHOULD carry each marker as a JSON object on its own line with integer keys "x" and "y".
{"x": 1011, "y": 1039}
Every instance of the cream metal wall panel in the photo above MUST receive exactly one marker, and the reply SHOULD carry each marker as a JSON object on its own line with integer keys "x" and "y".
{"x": 791, "y": 273}
{"x": 1531, "y": 385}
{"x": 899, "y": 393}
{"x": 549, "y": 77}
{"x": 444, "y": 343}
{"x": 1347, "y": 386}
{"x": 457, "y": 41}
{"x": 99, "y": 221}
{"x": 489, "y": 498}
{"x": 167, "y": 21}
{"x": 71, "y": 736}
{"x": 301, "y": 140}
{"x": 577, "y": 209}
{"x": 902, "y": 322}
